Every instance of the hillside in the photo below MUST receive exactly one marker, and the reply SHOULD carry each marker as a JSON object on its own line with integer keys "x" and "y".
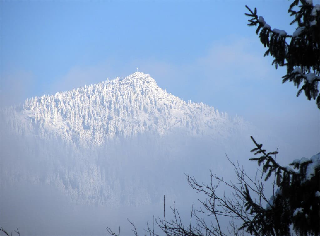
{"x": 93, "y": 114}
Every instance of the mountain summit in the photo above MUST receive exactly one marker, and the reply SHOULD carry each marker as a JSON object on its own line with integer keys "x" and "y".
{"x": 123, "y": 107}
{"x": 123, "y": 142}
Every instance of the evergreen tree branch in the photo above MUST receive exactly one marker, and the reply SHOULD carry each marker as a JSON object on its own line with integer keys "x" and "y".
{"x": 302, "y": 54}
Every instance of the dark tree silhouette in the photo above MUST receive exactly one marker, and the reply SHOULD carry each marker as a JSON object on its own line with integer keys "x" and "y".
{"x": 6, "y": 233}
{"x": 295, "y": 201}
{"x": 299, "y": 52}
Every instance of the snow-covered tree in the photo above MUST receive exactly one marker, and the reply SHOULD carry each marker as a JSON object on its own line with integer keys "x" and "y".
{"x": 296, "y": 201}
{"x": 299, "y": 52}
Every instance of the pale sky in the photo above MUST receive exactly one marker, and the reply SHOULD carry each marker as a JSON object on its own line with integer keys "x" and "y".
{"x": 201, "y": 51}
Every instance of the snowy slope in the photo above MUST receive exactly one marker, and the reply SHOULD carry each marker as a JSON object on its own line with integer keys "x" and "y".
{"x": 123, "y": 108}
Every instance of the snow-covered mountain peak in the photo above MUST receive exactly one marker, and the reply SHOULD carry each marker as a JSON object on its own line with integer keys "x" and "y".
{"x": 140, "y": 78}
{"x": 121, "y": 108}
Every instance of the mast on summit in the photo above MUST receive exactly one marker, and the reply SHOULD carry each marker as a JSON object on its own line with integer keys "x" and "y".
{"x": 137, "y": 69}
